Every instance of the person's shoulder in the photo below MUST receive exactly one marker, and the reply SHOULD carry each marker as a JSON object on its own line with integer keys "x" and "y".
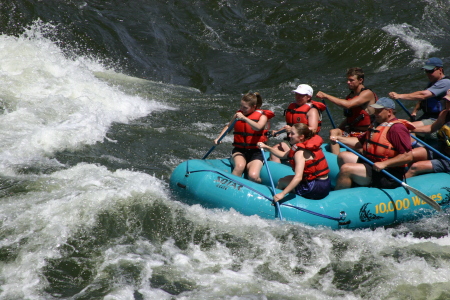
{"x": 444, "y": 81}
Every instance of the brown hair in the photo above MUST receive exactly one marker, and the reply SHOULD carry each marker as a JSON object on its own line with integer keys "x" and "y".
{"x": 302, "y": 128}
{"x": 253, "y": 99}
{"x": 356, "y": 71}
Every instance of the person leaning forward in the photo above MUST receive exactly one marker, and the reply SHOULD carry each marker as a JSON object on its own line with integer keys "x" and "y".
{"x": 356, "y": 107}
{"x": 429, "y": 99}
{"x": 387, "y": 143}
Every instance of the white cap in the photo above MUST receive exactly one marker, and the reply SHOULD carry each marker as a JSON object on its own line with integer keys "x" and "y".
{"x": 304, "y": 89}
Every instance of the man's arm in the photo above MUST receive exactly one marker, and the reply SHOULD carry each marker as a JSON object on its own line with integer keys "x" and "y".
{"x": 399, "y": 160}
{"x": 362, "y": 98}
{"x": 436, "y": 124}
{"x": 419, "y": 95}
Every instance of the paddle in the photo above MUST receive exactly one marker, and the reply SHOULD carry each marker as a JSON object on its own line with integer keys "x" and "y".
{"x": 411, "y": 117}
{"x": 421, "y": 195}
{"x": 271, "y": 182}
{"x": 329, "y": 114}
{"x": 218, "y": 141}
{"x": 431, "y": 148}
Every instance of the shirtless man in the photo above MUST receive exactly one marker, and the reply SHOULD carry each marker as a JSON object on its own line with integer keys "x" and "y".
{"x": 356, "y": 106}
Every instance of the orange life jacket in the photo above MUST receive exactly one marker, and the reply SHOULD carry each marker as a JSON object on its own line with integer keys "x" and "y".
{"x": 315, "y": 167}
{"x": 247, "y": 138}
{"x": 357, "y": 116}
{"x": 297, "y": 114}
{"x": 377, "y": 147}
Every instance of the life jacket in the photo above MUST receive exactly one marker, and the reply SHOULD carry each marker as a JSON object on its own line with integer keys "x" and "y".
{"x": 433, "y": 105}
{"x": 247, "y": 138}
{"x": 315, "y": 167}
{"x": 297, "y": 114}
{"x": 269, "y": 114}
{"x": 377, "y": 147}
{"x": 358, "y": 116}
{"x": 444, "y": 135}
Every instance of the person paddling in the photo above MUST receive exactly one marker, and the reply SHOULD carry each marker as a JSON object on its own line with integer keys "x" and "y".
{"x": 308, "y": 162}
{"x": 303, "y": 110}
{"x": 249, "y": 130}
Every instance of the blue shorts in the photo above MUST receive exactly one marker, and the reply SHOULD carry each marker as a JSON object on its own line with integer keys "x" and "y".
{"x": 315, "y": 189}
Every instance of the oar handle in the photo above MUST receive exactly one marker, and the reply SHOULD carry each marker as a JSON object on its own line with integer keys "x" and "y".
{"x": 220, "y": 138}
{"x": 276, "y": 133}
{"x": 431, "y": 148}
{"x": 271, "y": 183}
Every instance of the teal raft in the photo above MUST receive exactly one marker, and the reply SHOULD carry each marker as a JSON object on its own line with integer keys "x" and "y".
{"x": 209, "y": 182}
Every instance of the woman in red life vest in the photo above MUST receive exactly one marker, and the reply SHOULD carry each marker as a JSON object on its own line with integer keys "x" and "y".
{"x": 308, "y": 162}
{"x": 249, "y": 130}
{"x": 303, "y": 110}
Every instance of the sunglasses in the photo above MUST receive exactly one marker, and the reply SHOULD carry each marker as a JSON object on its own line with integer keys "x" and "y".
{"x": 431, "y": 71}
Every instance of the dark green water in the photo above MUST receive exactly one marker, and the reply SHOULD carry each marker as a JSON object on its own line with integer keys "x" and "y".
{"x": 102, "y": 99}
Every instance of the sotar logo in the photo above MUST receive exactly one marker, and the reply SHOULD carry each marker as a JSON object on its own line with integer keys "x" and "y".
{"x": 225, "y": 183}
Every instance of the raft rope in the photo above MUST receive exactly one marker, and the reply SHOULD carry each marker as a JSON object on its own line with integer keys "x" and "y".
{"x": 342, "y": 216}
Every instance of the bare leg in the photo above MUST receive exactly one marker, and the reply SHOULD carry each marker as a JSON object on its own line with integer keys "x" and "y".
{"x": 239, "y": 164}
{"x": 351, "y": 172}
{"x": 346, "y": 157}
{"x": 335, "y": 148}
{"x": 418, "y": 123}
{"x": 419, "y": 167}
{"x": 254, "y": 170}
{"x": 419, "y": 153}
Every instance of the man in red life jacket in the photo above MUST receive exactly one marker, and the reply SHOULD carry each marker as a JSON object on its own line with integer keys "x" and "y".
{"x": 356, "y": 107}
{"x": 387, "y": 143}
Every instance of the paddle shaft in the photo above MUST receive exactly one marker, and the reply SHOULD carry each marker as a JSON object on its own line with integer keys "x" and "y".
{"x": 411, "y": 117}
{"x": 278, "y": 132}
{"x": 421, "y": 195}
{"x": 218, "y": 141}
{"x": 329, "y": 114}
{"x": 431, "y": 148}
{"x": 271, "y": 182}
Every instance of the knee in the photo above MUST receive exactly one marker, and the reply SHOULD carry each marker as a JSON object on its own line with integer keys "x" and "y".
{"x": 414, "y": 169}
{"x": 346, "y": 169}
{"x": 239, "y": 166}
{"x": 254, "y": 176}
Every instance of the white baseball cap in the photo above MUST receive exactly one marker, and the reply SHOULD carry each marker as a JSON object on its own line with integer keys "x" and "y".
{"x": 304, "y": 89}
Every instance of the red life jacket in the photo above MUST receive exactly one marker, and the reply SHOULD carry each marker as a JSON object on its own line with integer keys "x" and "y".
{"x": 357, "y": 116}
{"x": 377, "y": 147}
{"x": 297, "y": 114}
{"x": 247, "y": 138}
{"x": 315, "y": 167}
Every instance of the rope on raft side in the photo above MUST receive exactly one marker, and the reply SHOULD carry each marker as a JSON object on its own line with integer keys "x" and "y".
{"x": 269, "y": 198}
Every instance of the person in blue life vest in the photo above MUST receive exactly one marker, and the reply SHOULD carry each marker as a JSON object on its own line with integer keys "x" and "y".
{"x": 249, "y": 130}
{"x": 429, "y": 99}
{"x": 387, "y": 143}
{"x": 303, "y": 110}
{"x": 434, "y": 163}
{"x": 356, "y": 105}
{"x": 306, "y": 158}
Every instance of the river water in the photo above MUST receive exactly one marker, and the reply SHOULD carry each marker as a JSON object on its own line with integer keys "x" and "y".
{"x": 101, "y": 100}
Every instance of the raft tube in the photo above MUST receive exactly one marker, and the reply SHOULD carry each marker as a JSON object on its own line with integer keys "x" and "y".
{"x": 211, "y": 184}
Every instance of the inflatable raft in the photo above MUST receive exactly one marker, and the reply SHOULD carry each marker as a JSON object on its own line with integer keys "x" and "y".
{"x": 209, "y": 182}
